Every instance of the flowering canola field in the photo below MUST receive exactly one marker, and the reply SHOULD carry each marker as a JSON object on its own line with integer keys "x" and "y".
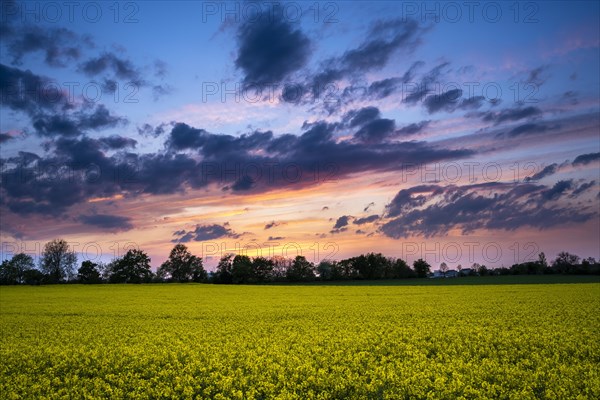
{"x": 300, "y": 342}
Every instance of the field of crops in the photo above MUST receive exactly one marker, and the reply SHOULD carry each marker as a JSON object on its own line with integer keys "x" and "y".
{"x": 300, "y": 342}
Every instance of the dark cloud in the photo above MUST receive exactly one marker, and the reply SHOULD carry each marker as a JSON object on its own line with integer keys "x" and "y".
{"x": 342, "y": 221}
{"x": 530, "y": 128}
{"x": 435, "y": 210}
{"x": 271, "y": 238}
{"x": 371, "y": 204}
{"x": 74, "y": 124}
{"x": 510, "y": 114}
{"x": 375, "y": 131}
{"x": 272, "y": 224}
{"x": 546, "y": 171}
{"x": 152, "y": 131}
{"x": 366, "y": 220}
{"x": 585, "y": 159}
{"x": 420, "y": 90}
{"x": 113, "y": 223}
{"x": 558, "y": 190}
{"x": 242, "y": 184}
{"x": 60, "y": 46}
{"x": 270, "y": 49}
{"x": 30, "y": 93}
{"x": 413, "y": 129}
{"x": 582, "y": 188}
{"x": 362, "y": 116}
{"x": 116, "y": 142}
{"x": 5, "y": 137}
{"x": 249, "y": 163}
{"x": 205, "y": 232}
{"x": 450, "y": 101}
{"x": 111, "y": 63}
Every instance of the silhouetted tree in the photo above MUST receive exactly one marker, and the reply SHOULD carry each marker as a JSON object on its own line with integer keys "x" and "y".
{"x": 57, "y": 261}
{"x": 12, "y": 271}
{"x": 182, "y": 266}
{"x": 133, "y": 267}
{"x": 241, "y": 270}
{"x": 301, "y": 270}
{"x": 444, "y": 268}
{"x": 223, "y": 272}
{"x": 33, "y": 277}
{"x": 263, "y": 269}
{"x": 422, "y": 268}
{"x": 89, "y": 272}
{"x": 325, "y": 270}
{"x": 565, "y": 262}
{"x": 399, "y": 269}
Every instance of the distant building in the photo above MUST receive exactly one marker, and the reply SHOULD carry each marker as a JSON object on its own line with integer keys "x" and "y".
{"x": 451, "y": 273}
{"x": 466, "y": 272}
{"x": 436, "y": 274}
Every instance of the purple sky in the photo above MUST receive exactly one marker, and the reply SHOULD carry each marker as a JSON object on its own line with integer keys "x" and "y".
{"x": 458, "y": 133}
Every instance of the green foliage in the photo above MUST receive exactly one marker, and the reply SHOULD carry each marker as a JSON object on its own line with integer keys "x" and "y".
{"x": 422, "y": 268}
{"x": 182, "y": 266}
{"x": 89, "y": 272}
{"x": 301, "y": 341}
{"x": 301, "y": 270}
{"x": 12, "y": 271}
{"x": 133, "y": 267}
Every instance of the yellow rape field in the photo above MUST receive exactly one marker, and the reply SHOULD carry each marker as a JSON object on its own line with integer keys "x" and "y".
{"x": 300, "y": 342}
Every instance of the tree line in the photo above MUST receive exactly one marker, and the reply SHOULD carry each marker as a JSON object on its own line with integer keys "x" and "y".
{"x": 57, "y": 265}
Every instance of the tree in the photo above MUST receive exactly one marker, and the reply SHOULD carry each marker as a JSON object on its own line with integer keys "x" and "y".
{"x": 263, "y": 269}
{"x": 325, "y": 270}
{"x": 12, "y": 271}
{"x": 542, "y": 260}
{"x": 223, "y": 272}
{"x": 241, "y": 270}
{"x": 182, "y": 266}
{"x": 57, "y": 261}
{"x": 399, "y": 269}
{"x": 301, "y": 270}
{"x": 565, "y": 262}
{"x": 133, "y": 267}
{"x": 89, "y": 272}
{"x": 422, "y": 268}
{"x": 444, "y": 268}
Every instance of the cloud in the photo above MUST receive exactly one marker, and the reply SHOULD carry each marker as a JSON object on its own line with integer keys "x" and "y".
{"x": 510, "y": 114}
{"x": 205, "y": 232}
{"x": 375, "y": 131}
{"x": 273, "y": 224}
{"x": 110, "y": 62}
{"x": 260, "y": 161}
{"x": 413, "y": 129}
{"x": 271, "y": 238}
{"x": 60, "y": 46}
{"x": 270, "y": 49}
{"x": 116, "y": 142}
{"x": 585, "y": 159}
{"x": 5, "y": 137}
{"x": 342, "y": 221}
{"x": 113, "y": 223}
{"x": 583, "y": 188}
{"x": 366, "y": 220}
{"x": 435, "y": 210}
{"x": 76, "y": 123}
{"x": 546, "y": 171}
{"x": 529, "y": 129}
{"x": 371, "y": 204}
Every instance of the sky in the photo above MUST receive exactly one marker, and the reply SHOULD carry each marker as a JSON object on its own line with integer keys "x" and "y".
{"x": 457, "y": 132}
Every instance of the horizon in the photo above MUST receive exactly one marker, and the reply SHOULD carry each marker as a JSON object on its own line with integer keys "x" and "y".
{"x": 452, "y": 133}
